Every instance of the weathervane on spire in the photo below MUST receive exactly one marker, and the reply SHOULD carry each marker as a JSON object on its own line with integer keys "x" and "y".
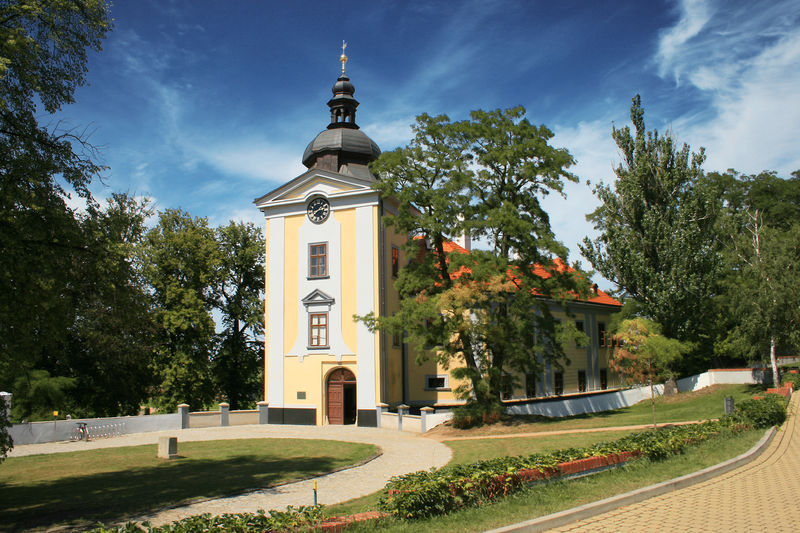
{"x": 343, "y": 58}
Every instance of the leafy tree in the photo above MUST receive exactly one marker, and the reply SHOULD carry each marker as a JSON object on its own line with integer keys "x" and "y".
{"x": 475, "y": 312}
{"x": 657, "y": 231}
{"x": 38, "y": 394}
{"x": 43, "y": 51}
{"x": 113, "y": 338}
{"x": 761, "y": 299}
{"x": 180, "y": 261}
{"x": 6, "y": 442}
{"x": 776, "y": 198}
{"x": 759, "y": 227}
{"x": 238, "y": 362}
{"x": 643, "y": 355}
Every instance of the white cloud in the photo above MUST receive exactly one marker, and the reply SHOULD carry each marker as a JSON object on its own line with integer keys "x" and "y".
{"x": 390, "y": 134}
{"x": 695, "y": 14}
{"x": 745, "y": 60}
{"x": 250, "y": 158}
{"x": 591, "y": 145}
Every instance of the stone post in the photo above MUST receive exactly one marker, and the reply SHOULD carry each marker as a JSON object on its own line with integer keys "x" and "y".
{"x": 381, "y": 408}
{"x": 224, "y": 414}
{"x": 424, "y": 412}
{"x": 183, "y": 409}
{"x": 263, "y": 412}
{"x": 5, "y": 404}
{"x": 728, "y": 405}
{"x": 402, "y": 409}
{"x": 167, "y": 447}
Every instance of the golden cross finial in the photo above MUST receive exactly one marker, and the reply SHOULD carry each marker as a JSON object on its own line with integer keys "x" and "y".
{"x": 343, "y": 58}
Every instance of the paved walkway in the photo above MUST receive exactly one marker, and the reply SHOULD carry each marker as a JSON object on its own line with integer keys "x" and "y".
{"x": 402, "y": 453}
{"x": 760, "y": 496}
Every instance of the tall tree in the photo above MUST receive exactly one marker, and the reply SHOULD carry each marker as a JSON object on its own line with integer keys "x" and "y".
{"x": 475, "y": 312}
{"x": 657, "y": 230}
{"x": 180, "y": 261}
{"x": 757, "y": 311}
{"x": 238, "y": 361}
{"x": 43, "y": 52}
{"x": 112, "y": 341}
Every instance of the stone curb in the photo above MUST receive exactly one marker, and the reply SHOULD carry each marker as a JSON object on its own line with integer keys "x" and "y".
{"x": 609, "y": 504}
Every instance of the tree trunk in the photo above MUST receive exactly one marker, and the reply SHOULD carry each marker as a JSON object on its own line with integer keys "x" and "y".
{"x": 776, "y": 378}
{"x": 653, "y": 403}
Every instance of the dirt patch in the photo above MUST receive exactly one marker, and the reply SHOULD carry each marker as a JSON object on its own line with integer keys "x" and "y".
{"x": 688, "y": 396}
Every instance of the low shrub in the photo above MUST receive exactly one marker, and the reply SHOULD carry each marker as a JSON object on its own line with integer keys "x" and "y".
{"x": 473, "y": 414}
{"x": 791, "y": 378}
{"x": 292, "y": 519}
{"x": 770, "y": 410}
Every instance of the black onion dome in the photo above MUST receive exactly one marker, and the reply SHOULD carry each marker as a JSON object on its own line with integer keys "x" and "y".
{"x": 343, "y": 86}
{"x": 352, "y": 142}
{"x": 342, "y": 143}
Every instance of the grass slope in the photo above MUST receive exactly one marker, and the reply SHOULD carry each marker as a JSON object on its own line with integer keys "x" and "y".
{"x": 703, "y": 404}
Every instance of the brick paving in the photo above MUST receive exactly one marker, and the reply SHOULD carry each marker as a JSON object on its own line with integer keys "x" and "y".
{"x": 760, "y": 496}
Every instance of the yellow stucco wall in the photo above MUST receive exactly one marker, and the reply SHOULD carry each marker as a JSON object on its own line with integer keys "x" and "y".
{"x": 394, "y": 353}
{"x": 291, "y": 299}
{"x": 576, "y": 354}
{"x": 347, "y": 219}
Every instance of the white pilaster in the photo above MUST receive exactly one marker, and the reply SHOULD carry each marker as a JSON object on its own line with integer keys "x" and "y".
{"x": 275, "y": 325}
{"x": 365, "y": 303}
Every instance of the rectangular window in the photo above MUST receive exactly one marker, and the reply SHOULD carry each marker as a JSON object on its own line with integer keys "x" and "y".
{"x": 579, "y": 327}
{"x": 601, "y": 333}
{"x": 436, "y": 382}
{"x": 318, "y": 330}
{"x": 581, "y": 380}
{"x": 558, "y": 382}
{"x": 530, "y": 385}
{"x": 318, "y": 260}
{"x": 508, "y": 388}
{"x": 603, "y": 378}
{"x": 395, "y": 261}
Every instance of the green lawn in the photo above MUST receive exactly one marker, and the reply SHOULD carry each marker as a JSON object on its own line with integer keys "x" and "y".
{"x": 113, "y": 483}
{"x": 547, "y": 498}
{"x": 470, "y": 451}
{"x": 700, "y": 405}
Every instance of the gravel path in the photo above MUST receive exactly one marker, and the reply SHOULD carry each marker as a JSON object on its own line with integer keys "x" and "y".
{"x": 401, "y": 453}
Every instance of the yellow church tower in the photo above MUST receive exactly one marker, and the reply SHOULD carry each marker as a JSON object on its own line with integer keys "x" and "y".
{"x": 328, "y": 258}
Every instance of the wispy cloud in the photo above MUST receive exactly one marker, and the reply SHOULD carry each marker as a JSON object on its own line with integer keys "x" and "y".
{"x": 674, "y": 41}
{"x": 745, "y": 59}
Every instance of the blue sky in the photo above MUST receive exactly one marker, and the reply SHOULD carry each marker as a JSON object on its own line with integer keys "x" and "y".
{"x": 206, "y": 105}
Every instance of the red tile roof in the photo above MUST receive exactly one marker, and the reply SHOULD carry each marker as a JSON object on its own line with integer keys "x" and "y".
{"x": 600, "y": 298}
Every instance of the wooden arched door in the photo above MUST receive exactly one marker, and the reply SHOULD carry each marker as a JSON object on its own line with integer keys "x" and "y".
{"x": 341, "y": 397}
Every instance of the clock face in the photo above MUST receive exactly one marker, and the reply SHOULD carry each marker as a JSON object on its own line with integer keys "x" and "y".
{"x": 318, "y": 210}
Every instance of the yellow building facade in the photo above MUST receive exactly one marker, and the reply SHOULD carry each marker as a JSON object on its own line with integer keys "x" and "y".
{"x": 329, "y": 258}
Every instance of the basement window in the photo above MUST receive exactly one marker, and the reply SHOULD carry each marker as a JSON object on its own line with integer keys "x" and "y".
{"x": 437, "y": 382}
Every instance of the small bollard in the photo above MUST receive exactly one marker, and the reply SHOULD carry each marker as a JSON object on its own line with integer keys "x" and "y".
{"x": 315, "y": 492}
{"x": 402, "y": 410}
{"x": 728, "y": 405}
{"x": 167, "y": 447}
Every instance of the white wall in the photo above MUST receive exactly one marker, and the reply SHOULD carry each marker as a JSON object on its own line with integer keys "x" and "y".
{"x": 616, "y": 400}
